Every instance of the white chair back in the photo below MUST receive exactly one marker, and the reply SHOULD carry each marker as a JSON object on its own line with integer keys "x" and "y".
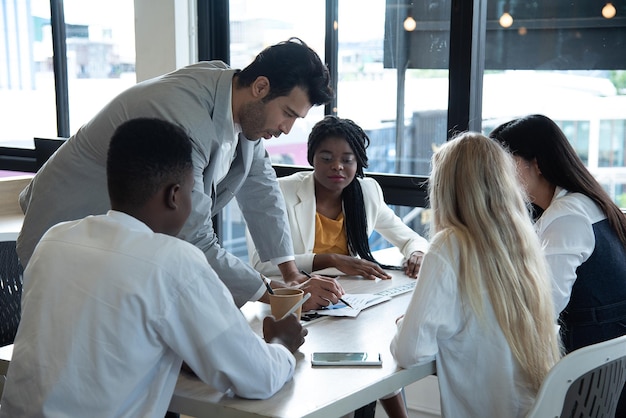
{"x": 585, "y": 383}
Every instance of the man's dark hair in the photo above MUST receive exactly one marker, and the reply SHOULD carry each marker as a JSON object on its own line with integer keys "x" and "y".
{"x": 144, "y": 155}
{"x": 290, "y": 64}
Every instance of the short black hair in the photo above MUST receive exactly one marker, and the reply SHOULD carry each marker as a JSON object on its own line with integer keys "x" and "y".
{"x": 290, "y": 64}
{"x": 144, "y": 155}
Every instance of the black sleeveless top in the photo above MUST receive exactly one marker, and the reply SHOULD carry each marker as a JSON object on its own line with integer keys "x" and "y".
{"x": 597, "y": 307}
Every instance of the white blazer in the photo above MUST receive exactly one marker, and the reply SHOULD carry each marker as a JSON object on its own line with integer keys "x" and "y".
{"x": 299, "y": 192}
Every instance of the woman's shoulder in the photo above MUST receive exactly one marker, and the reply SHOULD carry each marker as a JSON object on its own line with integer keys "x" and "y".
{"x": 369, "y": 186}
{"x": 296, "y": 177}
{"x": 294, "y": 180}
{"x": 445, "y": 242}
{"x": 572, "y": 204}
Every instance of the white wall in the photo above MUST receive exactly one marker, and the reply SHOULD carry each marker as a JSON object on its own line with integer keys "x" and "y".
{"x": 165, "y": 36}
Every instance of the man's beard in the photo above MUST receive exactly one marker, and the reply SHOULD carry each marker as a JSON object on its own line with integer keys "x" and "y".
{"x": 252, "y": 119}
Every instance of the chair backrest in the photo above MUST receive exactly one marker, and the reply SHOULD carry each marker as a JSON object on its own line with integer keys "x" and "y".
{"x": 10, "y": 292}
{"x": 585, "y": 383}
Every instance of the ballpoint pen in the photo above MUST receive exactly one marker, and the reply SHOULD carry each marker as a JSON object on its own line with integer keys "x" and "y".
{"x": 297, "y": 305}
{"x": 340, "y": 299}
{"x": 267, "y": 284}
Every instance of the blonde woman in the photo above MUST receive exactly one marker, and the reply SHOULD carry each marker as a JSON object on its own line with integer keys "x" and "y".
{"x": 482, "y": 306}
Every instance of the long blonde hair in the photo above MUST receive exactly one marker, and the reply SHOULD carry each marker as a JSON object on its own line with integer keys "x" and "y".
{"x": 474, "y": 194}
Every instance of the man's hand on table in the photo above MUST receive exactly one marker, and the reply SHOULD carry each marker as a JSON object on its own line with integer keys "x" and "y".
{"x": 288, "y": 331}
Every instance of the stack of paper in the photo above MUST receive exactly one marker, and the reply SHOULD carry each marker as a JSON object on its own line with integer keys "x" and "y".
{"x": 359, "y": 301}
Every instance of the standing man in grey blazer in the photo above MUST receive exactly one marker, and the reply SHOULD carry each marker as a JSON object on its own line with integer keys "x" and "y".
{"x": 226, "y": 112}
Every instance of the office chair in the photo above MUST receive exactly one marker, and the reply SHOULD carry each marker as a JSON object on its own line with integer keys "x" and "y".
{"x": 585, "y": 383}
{"x": 10, "y": 292}
{"x": 11, "y": 273}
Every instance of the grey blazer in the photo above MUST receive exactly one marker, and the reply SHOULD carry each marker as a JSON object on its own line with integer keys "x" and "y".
{"x": 72, "y": 184}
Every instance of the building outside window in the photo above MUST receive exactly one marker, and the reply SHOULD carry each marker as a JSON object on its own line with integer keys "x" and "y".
{"x": 100, "y": 41}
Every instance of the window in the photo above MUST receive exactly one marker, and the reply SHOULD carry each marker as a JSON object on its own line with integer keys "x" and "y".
{"x": 560, "y": 59}
{"x": 370, "y": 77}
{"x": 612, "y": 141}
{"x": 100, "y": 59}
{"x": 256, "y": 25}
{"x": 26, "y": 76}
{"x": 577, "y": 133}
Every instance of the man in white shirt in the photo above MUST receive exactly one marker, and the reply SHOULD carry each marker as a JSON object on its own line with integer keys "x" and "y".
{"x": 226, "y": 113}
{"x": 113, "y": 304}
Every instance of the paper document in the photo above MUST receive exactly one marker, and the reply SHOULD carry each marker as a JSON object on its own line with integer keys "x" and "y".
{"x": 359, "y": 301}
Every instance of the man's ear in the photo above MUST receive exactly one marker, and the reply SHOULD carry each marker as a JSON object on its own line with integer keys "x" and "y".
{"x": 260, "y": 87}
{"x": 171, "y": 196}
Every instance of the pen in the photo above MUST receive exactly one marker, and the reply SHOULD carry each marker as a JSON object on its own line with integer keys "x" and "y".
{"x": 296, "y": 306}
{"x": 340, "y": 300}
{"x": 267, "y": 284}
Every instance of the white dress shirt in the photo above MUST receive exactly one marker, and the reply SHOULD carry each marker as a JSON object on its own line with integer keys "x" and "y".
{"x": 478, "y": 374}
{"x": 566, "y": 232}
{"x": 110, "y": 311}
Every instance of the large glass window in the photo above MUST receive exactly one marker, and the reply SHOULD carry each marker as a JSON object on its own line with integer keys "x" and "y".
{"x": 578, "y": 134}
{"x": 375, "y": 82}
{"x": 100, "y": 63}
{"x": 562, "y": 59}
{"x": 100, "y": 54}
{"x": 27, "y": 100}
{"x": 255, "y": 25}
{"x": 612, "y": 141}
{"x": 393, "y": 79}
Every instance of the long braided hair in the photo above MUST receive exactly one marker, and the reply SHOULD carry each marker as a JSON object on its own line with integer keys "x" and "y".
{"x": 355, "y": 218}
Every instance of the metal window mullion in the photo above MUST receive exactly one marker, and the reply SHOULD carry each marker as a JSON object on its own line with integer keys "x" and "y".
{"x": 213, "y": 30}
{"x": 331, "y": 52}
{"x": 466, "y": 65}
{"x": 59, "y": 61}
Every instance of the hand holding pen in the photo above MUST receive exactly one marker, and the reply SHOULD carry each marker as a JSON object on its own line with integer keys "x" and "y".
{"x": 339, "y": 298}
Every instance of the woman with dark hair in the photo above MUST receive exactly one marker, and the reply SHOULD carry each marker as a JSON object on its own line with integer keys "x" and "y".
{"x": 583, "y": 231}
{"x": 334, "y": 209}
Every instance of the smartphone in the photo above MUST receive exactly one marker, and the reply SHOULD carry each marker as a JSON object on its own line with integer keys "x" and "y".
{"x": 360, "y": 358}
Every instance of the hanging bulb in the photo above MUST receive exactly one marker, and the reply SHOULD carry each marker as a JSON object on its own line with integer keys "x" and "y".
{"x": 506, "y": 20}
{"x": 410, "y": 24}
{"x": 608, "y": 11}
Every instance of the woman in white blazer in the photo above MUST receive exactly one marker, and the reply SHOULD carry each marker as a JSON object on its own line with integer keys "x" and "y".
{"x": 337, "y": 194}
{"x": 333, "y": 210}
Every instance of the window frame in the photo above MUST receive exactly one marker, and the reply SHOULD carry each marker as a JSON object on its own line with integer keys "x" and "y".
{"x": 465, "y": 78}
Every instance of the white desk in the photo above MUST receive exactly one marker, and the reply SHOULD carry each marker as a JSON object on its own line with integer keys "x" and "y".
{"x": 314, "y": 391}
{"x": 9, "y": 232}
{"x": 319, "y": 391}
{"x": 5, "y": 358}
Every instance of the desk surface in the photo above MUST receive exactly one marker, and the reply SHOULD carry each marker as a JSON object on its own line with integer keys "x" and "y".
{"x": 319, "y": 391}
{"x": 10, "y": 226}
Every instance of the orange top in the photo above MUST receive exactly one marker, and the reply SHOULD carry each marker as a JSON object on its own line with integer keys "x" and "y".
{"x": 330, "y": 235}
